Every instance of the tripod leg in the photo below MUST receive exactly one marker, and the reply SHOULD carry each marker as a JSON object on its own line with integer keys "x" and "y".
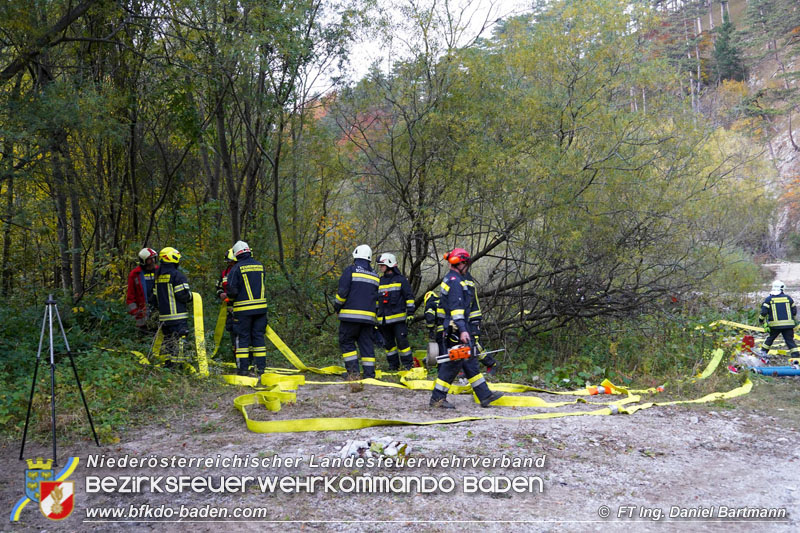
{"x": 52, "y": 385}
{"x": 33, "y": 386}
{"x": 77, "y": 379}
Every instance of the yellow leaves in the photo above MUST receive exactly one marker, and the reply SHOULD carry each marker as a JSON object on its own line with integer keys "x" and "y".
{"x": 612, "y": 348}
{"x": 335, "y": 235}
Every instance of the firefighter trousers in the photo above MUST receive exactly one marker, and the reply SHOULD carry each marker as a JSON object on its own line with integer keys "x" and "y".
{"x": 398, "y": 350}
{"x": 448, "y": 370}
{"x": 350, "y": 334}
{"x": 250, "y": 331}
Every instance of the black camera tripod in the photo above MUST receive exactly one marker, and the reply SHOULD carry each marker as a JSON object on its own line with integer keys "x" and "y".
{"x": 50, "y": 309}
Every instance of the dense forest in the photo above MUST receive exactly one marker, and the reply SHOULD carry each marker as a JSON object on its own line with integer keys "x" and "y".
{"x": 599, "y": 158}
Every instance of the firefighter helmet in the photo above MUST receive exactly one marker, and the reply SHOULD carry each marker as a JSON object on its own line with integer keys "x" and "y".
{"x": 240, "y": 247}
{"x": 388, "y": 259}
{"x": 777, "y": 287}
{"x": 229, "y": 255}
{"x": 458, "y": 255}
{"x": 169, "y": 255}
{"x": 146, "y": 253}
{"x": 363, "y": 251}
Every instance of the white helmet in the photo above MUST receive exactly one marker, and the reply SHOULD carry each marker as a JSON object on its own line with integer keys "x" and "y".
{"x": 777, "y": 287}
{"x": 388, "y": 259}
{"x": 147, "y": 253}
{"x": 362, "y": 251}
{"x": 240, "y": 247}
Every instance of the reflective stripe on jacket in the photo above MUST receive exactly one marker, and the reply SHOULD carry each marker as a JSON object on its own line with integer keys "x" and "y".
{"x": 357, "y": 294}
{"x": 171, "y": 293}
{"x": 455, "y": 300}
{"x": 395, "y": 299}
{"x": 247, "y": 287}
{"x": 779, "y": 311}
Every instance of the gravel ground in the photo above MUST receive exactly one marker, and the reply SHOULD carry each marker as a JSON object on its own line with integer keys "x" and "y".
{"x": 702, "y": 461}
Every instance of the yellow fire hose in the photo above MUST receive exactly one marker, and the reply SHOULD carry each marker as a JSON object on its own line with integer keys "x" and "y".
{"x": 279, "y": 386}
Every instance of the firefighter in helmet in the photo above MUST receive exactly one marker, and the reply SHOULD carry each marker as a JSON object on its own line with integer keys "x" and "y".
{"x": 140, "y": 286}
{"x": 355, "y": 302}
{"x": 395, "y": 308}
{"x": 779, "y": 312}
{"x": 172, "y": 295}
{"x": 458, "y": 302}
{"x": 247, "y": 289}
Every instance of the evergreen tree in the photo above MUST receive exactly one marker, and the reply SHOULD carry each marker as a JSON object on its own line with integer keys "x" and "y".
{"x": 728, "y": 64}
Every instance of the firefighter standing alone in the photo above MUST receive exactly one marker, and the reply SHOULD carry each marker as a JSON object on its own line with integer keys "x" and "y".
{"x": 355, "y": 303}
{"x": 395, "y": 307}
{"x": 779, "y": 311}
{"x": 457, "y": 302}
{"x": 247, "y": 289}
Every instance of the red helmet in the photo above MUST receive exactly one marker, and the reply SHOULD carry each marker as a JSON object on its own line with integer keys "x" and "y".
{"x": 458, "y": 255}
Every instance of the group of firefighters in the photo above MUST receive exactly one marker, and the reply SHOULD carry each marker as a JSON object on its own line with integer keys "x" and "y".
{"x": 365, "y": 302}
{"x": 157, "y": 283}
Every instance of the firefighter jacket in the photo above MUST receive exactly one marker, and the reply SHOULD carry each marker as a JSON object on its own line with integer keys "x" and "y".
{"x": 475, "y": 316}
{"x": 171, "y": 293}
{"x": 395, "y": 299}
{"x": 140, "y": 286}
{"x": 779, "y": 311}
{"x": 247, "y": 286}
{"x": 222, "y": 282}
{"x": 434, "y": 315}
{"x": 357, "y": 295}
{"x": 458, "y": 301}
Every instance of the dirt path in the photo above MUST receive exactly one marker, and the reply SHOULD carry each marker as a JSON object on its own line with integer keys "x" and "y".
{"x": 789, "y": 273}
{"x": 741, "y": 453}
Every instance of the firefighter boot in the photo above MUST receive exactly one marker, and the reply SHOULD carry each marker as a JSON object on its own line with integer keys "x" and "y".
{"x": 394, "y": 361}
{"x": 407, "y": 360}
{"x": 443, "y": 403}
{"x": 487, "y": 402}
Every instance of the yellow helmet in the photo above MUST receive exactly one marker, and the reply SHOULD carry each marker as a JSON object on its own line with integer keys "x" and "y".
{"x": 230, "y": 256}
{"x": 169, "y": 255}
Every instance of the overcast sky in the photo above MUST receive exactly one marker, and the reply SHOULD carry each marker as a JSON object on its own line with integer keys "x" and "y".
{"x": 474, "y": 14}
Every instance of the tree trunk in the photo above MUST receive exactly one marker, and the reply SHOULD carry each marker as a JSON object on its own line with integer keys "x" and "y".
{"x": 227, "y": 171}
{"x": 711, "y": 15}
{"x": 8, "y": 174}
{"x": 132, "y": 173}
{"x": 7, "y": 272}
{"x": 276, "y": 192}
{"x": 60, "y": 199}
{"x": 77, "y": 243}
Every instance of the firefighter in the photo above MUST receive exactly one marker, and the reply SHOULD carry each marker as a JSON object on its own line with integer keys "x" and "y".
{"x": 434, "y": 318}
{"x": 475, "y": 319}
{"x": 171, "y": 295}
{"x": 140, "y": 286}
{"x": 458, "y": 302}
{"x": 779, "y": 311}
{"x": 222, "y": 285}
{"x": 395, "y": 309}
{"x": 247, "y": 290}
{"x": 355, "y": 303}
